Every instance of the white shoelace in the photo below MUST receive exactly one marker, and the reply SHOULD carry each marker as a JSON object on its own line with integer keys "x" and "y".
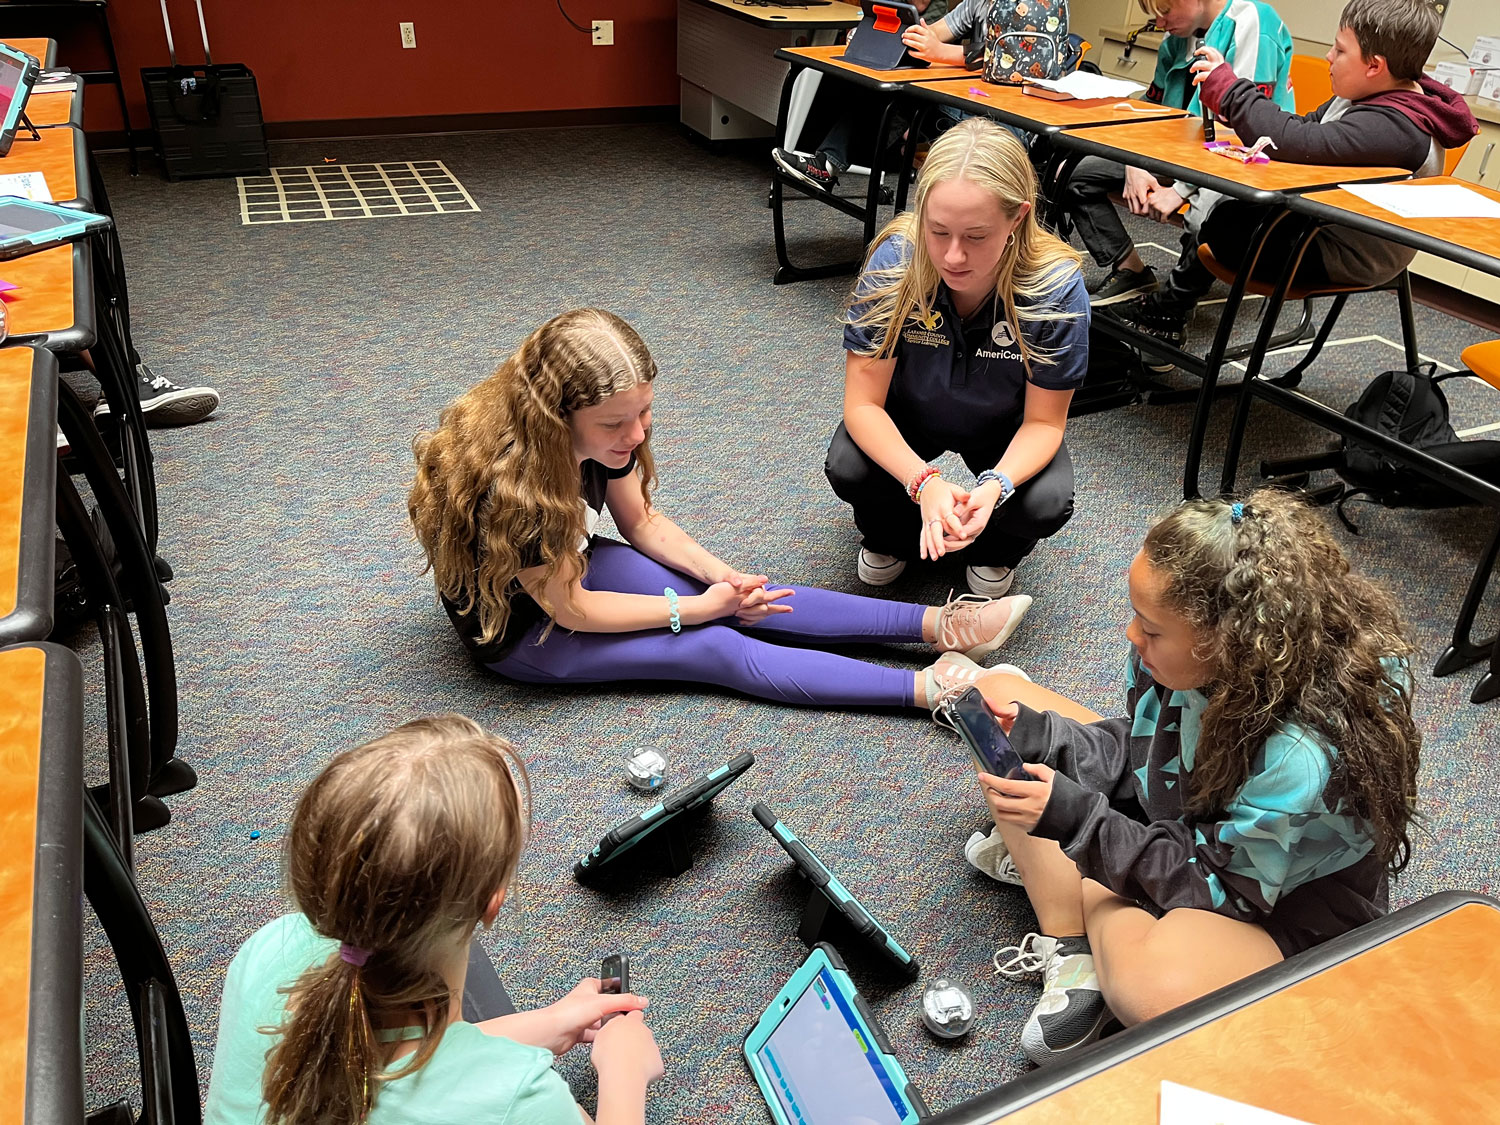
{"x": 1022, "y": 959}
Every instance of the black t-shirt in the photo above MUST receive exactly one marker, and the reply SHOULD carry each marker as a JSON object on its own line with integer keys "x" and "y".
{"x": 524, "y": 611}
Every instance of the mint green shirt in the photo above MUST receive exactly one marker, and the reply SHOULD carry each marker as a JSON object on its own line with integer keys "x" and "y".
{"x": 473, "y": 1078}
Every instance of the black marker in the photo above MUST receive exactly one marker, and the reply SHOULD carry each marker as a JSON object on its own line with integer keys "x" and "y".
{"x": 1208, "y": 120}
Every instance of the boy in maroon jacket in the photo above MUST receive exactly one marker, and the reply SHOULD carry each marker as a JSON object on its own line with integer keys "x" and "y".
{"x": 1384, "y": 112}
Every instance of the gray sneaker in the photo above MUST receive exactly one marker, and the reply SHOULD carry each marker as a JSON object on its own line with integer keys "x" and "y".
{"x": 1122, "y": 285}
{"x": 1072, "y": 1011}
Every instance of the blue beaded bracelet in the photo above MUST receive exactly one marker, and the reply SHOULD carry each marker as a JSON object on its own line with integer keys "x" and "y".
{"x": 676, "y": 617}
{"x": 1007, "y": 490}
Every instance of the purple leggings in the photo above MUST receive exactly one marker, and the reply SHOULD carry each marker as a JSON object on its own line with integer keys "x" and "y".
{"x": 759, "y": 660}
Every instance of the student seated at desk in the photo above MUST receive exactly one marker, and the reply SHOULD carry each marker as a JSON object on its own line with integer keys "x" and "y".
{"x": 842, "y": 115}
{"x": 1383, "y": 112}
{"x": 1250, "y": 803}
{"x": 1257, "y": 46}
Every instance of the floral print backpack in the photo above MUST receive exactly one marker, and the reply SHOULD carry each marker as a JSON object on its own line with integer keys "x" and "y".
{"x": 1027, "y": 39}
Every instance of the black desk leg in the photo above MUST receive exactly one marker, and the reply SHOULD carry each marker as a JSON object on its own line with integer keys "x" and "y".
{"x": 169, "y": 1074}
{"x": 1463, "y": 650}
{"x": 114, "y": 66}
{"x": 1215, "y": 359}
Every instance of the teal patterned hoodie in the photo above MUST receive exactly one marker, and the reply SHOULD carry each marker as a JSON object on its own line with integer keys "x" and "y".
{"x": 1283, "y": 855}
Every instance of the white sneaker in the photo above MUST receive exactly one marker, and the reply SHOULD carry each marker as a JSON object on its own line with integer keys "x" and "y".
{"x": 989, "y": 855}
{"x": 990, "y": 581}
{"x": 1072, "y": 1011}
{"x": 879, "y": 570}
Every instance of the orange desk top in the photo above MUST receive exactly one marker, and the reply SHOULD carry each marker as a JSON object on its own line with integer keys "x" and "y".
{"x": 1180, "y": 141}
{"x": 829, "y": 55}
{"x": 1074, "y": 114}
{"x": 57, "y": 156}
{"x": 22, "y": 678}
{"x": 40, "y": 49}
{"x": 1401, "y": 1033}
{"x": 1482, "y": 235}
{"x": 15, "y": 409}
{"x": 55, "y": 108}
{"x": 44, "y": 294}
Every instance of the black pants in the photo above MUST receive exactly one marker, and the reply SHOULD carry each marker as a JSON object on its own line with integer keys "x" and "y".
{"x": 891, "y": 523}
{"x": 1229, "y": 231}
{"x": 1086, "y": 200}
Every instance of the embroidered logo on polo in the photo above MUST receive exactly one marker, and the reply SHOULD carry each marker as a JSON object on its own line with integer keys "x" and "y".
{"x": 924, "y": 331}
{"x": 1004, "y": 339}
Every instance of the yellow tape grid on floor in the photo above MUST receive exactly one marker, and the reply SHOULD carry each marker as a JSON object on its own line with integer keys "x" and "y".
{"x": 319, "y": 193}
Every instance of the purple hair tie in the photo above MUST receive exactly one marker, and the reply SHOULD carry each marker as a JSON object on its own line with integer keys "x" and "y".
{"x": 353, "y": 954}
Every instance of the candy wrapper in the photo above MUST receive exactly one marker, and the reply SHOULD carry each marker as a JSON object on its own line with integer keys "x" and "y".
{"x": 1255, "y": 154}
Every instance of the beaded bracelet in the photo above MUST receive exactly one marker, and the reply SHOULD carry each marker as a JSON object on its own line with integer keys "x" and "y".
{"x": 917, "y": 483}
{"x": 1007, "y": 490}
{"x": 676, "y": 617}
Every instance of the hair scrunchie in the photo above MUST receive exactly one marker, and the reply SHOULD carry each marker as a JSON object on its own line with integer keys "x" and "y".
{"x": 353, "y": 954}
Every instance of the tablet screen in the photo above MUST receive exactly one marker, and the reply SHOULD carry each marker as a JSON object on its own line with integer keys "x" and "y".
{"x": 821, "y": 1067}
{"x": 19, "y": 219}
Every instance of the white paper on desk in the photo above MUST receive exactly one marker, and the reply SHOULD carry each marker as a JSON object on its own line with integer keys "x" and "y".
{"x": 1083, "y": 85}
{"x": 28, "y": 185}
{"x": 1427, "y": 201}
{"x": 1182, "y": 1105}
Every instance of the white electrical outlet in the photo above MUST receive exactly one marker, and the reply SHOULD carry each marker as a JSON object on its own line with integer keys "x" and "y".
{"x": 408, "y": 35}
{"x": 604, "y": 33}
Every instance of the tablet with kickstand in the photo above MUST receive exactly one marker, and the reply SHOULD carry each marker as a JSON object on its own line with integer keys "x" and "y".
{"x": 820, "y": 1058}
{"x": 829, "y": 894}
{"x": 662, "y": 823}
{"x": 18, "y": 73}
{"x": 876, "y": 42}
{"x": 29, "y": 225}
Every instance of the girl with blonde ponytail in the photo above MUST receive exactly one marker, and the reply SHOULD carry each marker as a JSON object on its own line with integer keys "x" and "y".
{"x": 509, "y": 487}
{"x": 967, "y": 332}
{"x": 350, "y": 1010}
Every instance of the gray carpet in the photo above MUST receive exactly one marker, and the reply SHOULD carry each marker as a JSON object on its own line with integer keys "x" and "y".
{"x": 303, "y": 623}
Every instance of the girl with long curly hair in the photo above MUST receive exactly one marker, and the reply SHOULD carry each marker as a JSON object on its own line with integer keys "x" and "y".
{"x": 350, "y": 1010}
{"x": 507, "y": 493}
{"x": 1251, "y": 803}
{"x": 967, "y": 332}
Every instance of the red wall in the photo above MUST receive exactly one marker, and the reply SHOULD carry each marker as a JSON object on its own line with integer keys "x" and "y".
{"x": 319, "y": 60}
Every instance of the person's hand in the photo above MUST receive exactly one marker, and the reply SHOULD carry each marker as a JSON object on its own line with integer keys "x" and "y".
{"x": 625, "y": 1049}
{"x": 719, "y": 600}
{"x": 1165, "y": 203}
{"x": 759, "y": 603}
{"x": 1017, "y": 802}
{"x": 1005, "y": 713}
{"x": 1139, "y": 184}
{"x": 941, "y": 523}
{"x": 977, "y": 510}
{"x": 922, "y": 41}
{"x": 741, "y": 581}
{"x": 1205, "y": 61}
{"x": 577, "y": 1017}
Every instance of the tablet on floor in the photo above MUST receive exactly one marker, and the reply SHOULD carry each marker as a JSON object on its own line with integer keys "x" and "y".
{"x": 696, "y": 795}
{"x": 820, "y": 1058}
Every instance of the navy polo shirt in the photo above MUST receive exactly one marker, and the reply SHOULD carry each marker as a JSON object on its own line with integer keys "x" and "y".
{"x": 961, "y": 384}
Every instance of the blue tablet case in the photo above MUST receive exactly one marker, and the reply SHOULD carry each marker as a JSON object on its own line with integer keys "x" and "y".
{"x": 626, "y": 836}
{"x": 805, "y": 1087}
{"x": 18, "y": 72}
{"x": 860, "y": 920}
{"x": 29, "y": 225}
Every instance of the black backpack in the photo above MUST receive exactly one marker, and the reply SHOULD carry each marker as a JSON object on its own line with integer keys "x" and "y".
{"x": 1411, "y": 407}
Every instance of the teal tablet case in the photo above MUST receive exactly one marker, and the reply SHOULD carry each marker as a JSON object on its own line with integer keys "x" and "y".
{"x": 824, "y": 961}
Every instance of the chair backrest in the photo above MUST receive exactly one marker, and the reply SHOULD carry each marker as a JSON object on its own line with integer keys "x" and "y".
{"x": 1311, "y": 86}
{"x": 1451, "y": 160}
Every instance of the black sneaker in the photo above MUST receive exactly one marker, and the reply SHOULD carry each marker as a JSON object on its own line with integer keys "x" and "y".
{"x": 164, "y": 403}
{"x": 1121, "y": 284}
{"x": 1072, "y": 1011}
{"x": 1152, "y": 318}
{"x": 815, "y": 171}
